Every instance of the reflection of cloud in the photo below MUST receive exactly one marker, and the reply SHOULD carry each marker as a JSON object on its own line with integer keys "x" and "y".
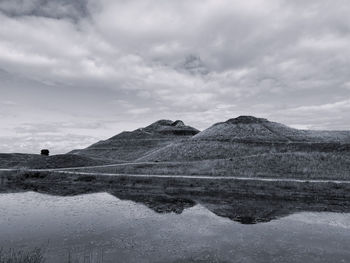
{"x": 339, "y": 220}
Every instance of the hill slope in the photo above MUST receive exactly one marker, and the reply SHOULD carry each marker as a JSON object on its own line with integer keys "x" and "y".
{"x": 128, "y": 146}
{"x": 36, "y": 161}
{"x": 248, "y": 128}
{"x": 247, "y": 135}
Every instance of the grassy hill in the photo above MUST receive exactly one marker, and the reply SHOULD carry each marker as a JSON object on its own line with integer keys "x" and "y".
{"x": 250, "y": 128}
{"x": 36, "y": 161}
{"x": 128, "y": 146}
{"x": 244, "y": 146}
{"x": 245, "y": 136}
{"x": 249, "y": 146}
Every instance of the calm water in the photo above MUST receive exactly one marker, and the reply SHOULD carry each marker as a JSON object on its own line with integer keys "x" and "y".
{"x": 100, "y": 227}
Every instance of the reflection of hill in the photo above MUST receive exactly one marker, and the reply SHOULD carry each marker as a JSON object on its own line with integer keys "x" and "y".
{"x": 252, "y": 211}
{"x": 244, "y": 211}
{"x": 159, "y": 203}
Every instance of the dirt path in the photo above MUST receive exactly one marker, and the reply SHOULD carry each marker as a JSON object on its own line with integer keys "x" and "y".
{"x": 67, "y": 171}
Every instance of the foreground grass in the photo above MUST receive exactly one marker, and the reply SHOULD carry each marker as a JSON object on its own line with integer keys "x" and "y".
{"x": 21, "y": 256}
{"x": 36, "y": 256}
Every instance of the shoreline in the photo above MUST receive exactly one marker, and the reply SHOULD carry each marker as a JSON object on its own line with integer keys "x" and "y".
{"x": 66, "y": 183}
{"x": 247, "y": 202}
{"x": 204, "y": 177}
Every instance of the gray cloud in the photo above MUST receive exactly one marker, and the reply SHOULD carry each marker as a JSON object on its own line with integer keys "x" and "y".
{"x": 57, "y": 9}
{"x": 122, "y": 64}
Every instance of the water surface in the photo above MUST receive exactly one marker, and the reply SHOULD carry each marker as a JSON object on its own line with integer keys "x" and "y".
{"x": 100, "y": 227}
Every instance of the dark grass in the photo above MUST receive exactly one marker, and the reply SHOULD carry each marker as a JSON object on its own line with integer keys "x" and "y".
{"x": 36, "y": 255}
{"x": 21, "y": 256}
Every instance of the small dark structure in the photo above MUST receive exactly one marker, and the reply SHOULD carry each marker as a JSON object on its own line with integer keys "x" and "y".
{"x": 45, "y": 152}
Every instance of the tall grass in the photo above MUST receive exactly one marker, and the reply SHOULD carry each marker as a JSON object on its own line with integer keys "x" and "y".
{"x": 21, "y": 256}
{"x": 36, "y": 255}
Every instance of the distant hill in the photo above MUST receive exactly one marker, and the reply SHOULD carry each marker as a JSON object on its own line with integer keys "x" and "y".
{"x": 244, "y": 146}
{"x": 36, "y": 161}
{"x": 249, "y": 128}
{"x": 247, "y": 135}
{"x": 128, "y": 146}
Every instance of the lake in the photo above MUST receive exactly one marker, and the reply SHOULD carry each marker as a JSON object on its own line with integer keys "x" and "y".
{"x": 100, "y": 227}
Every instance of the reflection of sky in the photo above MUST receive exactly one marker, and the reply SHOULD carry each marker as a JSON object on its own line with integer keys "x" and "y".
{"x": 73, "y": 72}
{"x": 135, "y": 233}
{"x": 329, "y": 219}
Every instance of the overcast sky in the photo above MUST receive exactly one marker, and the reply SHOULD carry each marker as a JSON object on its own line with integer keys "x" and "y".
{"x": 76, "y": 71}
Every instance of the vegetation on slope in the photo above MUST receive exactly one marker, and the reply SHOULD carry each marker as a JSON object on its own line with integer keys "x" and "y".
{"x": 273, "y": 165}
{"x": 244, "y": 146}
{"x": 249, "y": 136}
{"x": 253, "y": 147}
{"x": 35, "y": 161}
{"x": 129, "y": 146}
{"x": 257, "y": 129}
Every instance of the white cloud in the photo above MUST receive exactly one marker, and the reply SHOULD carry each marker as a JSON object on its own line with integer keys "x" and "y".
{"x": 118, "y": 60}
{"x": 8, "y": 102}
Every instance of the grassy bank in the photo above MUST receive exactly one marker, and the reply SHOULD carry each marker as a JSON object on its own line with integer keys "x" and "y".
{"x": 66, "y": 184}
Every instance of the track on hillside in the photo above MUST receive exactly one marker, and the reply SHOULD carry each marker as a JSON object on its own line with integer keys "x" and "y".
{"x": 204, "y": 177}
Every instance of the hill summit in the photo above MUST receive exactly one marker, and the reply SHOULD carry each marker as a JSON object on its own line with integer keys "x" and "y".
{"x": 246, "y": 136}
{"x": 246, "y": 120}
{"x": 130, "y": 145}
{"x": 169, "y": 127}
{"x": 246, "y": 128}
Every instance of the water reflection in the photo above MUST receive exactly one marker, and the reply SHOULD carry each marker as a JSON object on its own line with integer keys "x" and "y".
{"x": 241, "y": 210}
{"x": 159, "y": 203}
{"x": 244, "y": 211}
{"x": 159, "y": 228}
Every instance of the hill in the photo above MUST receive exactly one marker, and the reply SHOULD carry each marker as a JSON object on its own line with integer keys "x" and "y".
{"x": 244, "y": 146}
{"x": 247, "y": 135}
{"x": 128, "y": 146}
{"x": 36, "y": 161}
{"x": 249, "y": 128}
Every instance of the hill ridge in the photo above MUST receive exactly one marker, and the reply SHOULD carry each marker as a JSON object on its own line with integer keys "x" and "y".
{"x": 130, "y": 145}
{"x": 247, "y": 135}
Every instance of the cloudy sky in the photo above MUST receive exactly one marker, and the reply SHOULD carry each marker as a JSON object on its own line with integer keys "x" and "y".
{"x": 76, "y": 71}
